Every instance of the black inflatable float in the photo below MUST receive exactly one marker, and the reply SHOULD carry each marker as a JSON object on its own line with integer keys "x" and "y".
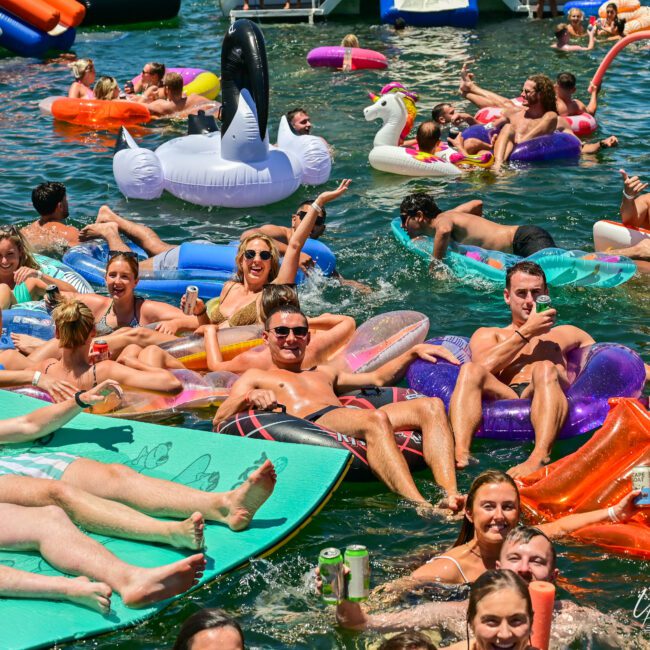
{"x": 124, "y": 12}
{"x": 282, "y": 427}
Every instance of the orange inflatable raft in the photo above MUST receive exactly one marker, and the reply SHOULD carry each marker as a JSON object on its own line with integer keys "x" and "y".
{"x": 96, "y": 113}
{"x": 598, "y": 476}
{"x": 47, "y": 15}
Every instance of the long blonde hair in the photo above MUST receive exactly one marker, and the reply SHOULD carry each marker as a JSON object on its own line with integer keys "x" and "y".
{"x": 25, "y": 252}
{"x": 105, "y": 87}
{"x": 79, "y": 67}
{"x": 275, "y": 257}
{"x": 74, "y": 322}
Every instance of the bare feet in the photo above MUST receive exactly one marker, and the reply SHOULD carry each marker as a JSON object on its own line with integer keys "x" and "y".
{"x": 466, "y": 78}
{"x": 99, "y": 230}
{"x": 527, "y": 467}
{"x": 106, "y": 215}
{"x": 246, "y": 500}
{"x": 25, "y": 343}
{"x": 464, "y": 460}
{"x": 147, "y": 586}
{"x": 188, "y": 533}
{"x": 95, "y": 595}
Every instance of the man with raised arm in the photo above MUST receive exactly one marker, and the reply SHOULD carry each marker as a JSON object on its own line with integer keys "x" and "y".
{"x": 311, "y": 395}
{"x": 525, "y": 359}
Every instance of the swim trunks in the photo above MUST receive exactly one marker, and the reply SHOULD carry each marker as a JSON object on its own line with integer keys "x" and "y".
{"x": 317, "y": 415}
{"x": 520, "y": 388}
{"x": 42, "y": 465}
{"x": 530, "y": 239}
{"x": 168, "y": 260}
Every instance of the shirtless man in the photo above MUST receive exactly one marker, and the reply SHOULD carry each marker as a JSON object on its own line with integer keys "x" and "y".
{"x": 530, "y": 554}
{"x": 299, "y": 121}
{"x": 465, "y": 224}
{"x": 567, "y": 104}
{"x": 41, "y": 492}
{"x": 526, "y": 359}
{"x": 174, "y": 101}
{"x": 49, "y": 232}
{"x": 446, "y": 113}
{"x": 310, "y": 394}
{"x": 563, "y": 37}
{"x": 282, "y": 234}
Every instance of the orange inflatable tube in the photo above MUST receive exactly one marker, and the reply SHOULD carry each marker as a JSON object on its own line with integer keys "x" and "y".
{"x": 598, "y": 476}
{"x": 99, "y": 113}
{"x": 46, "y": 14}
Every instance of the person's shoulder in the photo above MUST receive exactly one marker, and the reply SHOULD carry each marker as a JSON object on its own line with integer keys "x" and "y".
{"x": 488, "y": 332}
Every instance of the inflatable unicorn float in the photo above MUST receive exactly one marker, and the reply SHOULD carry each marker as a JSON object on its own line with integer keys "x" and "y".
{"x": 236, "y": 167}
{"x": 387, "y": 156}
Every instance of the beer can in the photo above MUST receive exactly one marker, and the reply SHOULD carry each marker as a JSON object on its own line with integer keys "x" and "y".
{"x": 542, "y": 303}
{"x": 330, "y": 564}
{"x": 640, "y": 476}
{"x": 358, "y": 578}
{"x": 191, "y": 294}
{"x": 52, "y": 295}
{"x": 100, "y": 348}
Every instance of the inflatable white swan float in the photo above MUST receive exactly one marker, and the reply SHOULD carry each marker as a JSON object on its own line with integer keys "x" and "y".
{"x": 235, "y": 167}
{"x": 388, "y": 156}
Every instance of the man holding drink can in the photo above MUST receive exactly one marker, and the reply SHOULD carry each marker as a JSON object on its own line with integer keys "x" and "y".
{"x": 526, "y": 359}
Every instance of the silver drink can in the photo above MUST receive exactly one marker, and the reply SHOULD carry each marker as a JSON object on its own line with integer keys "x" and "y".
{"x": 358, "y": 579}
{"x": 191, "y": 294}
{"x": 640, "y": 476}
{"x": 330, "y": 564}
{"x": 542, "y": 303}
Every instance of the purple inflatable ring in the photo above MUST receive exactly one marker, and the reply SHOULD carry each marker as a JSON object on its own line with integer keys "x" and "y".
{"x": 597, "y": 373}
{"x": 556, "y": 146}
{"x": 334, "y": 55}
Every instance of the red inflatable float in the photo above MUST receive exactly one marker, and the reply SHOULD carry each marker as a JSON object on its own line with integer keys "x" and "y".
{"x": 598, "y": 476}
{"x": 97, "y": 113}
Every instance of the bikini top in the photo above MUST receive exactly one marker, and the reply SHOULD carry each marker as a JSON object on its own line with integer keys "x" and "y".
{"x": 451, "y": 559}
{"x": 247, "y": 315}
{"x": 102, "y": 328}
{"x": 94, "y": 367}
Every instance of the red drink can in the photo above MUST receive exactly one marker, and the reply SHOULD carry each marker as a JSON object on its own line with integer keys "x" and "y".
{"x": 100, "y": 348}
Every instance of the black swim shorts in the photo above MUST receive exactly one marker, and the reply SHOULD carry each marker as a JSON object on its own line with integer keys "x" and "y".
{"x": 530, "y": 239}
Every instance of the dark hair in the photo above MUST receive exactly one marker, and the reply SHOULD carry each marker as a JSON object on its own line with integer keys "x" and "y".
{"x": 408, "y": 641}
{"x": 157, "y": 69}
{"x": 566, "y": 80}
{"x": 484, "y": 478}
{"x": 399, "y": 23}
{"x": 124, "y": 256}
{"x": 529, "y": 268}
{"x": 204, "y": 619}
{"x": 287, "y": 308}
{"x": 292, "y": 113}
{"x": 561, "y": 29}
{"x": 491, "y": 581}
{"x": 523, "y": 535}
{"x": 46, "y": 196}
{"x": 428, "y": 136}
{"x": 323, "y": 212}
{"x": 419, "y": 202}
{"x": 277, "y": 295}
{"x": 173, "y": 81}
{"x": 438, "y": 110}
{"x": 544, "y": 86}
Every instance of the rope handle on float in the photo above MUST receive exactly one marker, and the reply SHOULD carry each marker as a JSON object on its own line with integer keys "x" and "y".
{"x": 611, "y": 55}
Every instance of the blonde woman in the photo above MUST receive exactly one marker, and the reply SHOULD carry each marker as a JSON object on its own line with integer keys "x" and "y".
{"x": 83, "y": 71}
{"x": 107, "y": 88}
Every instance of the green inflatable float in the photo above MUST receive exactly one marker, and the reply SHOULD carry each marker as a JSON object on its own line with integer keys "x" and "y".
{"x": 307, "y": 476}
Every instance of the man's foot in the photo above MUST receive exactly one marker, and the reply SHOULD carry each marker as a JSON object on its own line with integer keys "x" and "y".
{"x": 464, "y": 460}
{"x": 99, "y": 230}
{"x": 247, "y": 499}
{"x": 527, "y": 467}
{"x": 152, "y": 585}
{"x": 95, "y": 595}
{"x": 427, "y": 510}
{"x": 466, "y": 78}
{"x": 106, "y": 215}
{"x": 453, "y": 502}
{"x": 25, "y": 343}
{"x": 188, "y": 533}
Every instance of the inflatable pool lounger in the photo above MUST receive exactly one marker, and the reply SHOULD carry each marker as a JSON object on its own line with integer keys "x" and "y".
{"x": 189, "y": 457}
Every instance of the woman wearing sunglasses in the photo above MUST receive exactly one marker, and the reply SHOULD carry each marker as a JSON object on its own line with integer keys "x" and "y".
{"x": 21, "y": 278}
{"x": 83, "y": 71}
{"x": 258, "y": 263}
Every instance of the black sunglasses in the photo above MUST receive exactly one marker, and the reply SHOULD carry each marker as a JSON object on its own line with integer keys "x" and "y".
{"x": 282, "y": 331}
{"x": 129, "y": 254}
{"x": 264, "y": 255}
{"x": 319, "y": 220}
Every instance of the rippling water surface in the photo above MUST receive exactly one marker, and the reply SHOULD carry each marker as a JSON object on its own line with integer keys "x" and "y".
{"x": 272, "y": 597}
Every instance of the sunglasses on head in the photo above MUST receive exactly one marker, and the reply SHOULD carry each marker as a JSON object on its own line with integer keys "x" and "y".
{"x": 319, "y": 220}
{"x": 9, "y": 230}
{"x": 129, "y": 254}
{"x": 282, "y": 331}
{"x": 264, "y": 255}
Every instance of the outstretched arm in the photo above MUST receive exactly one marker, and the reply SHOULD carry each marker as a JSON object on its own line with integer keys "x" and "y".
{"x": 634, "y": 205}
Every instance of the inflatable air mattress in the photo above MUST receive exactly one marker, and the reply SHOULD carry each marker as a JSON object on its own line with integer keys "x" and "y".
{"x": 194, "y": 458}
{"x": 562, "y": 267}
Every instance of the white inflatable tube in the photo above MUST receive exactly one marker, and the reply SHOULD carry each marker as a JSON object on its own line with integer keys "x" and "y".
{"x": 613, "y": 234}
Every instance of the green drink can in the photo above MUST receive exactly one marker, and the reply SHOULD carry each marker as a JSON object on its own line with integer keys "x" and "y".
{"x": 330, "y": 564}
{"x": 358, "y": 579}
{"x": 542, "y": 303}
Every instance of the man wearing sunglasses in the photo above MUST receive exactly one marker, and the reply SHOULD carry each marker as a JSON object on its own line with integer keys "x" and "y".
{"x": 311, "y": 395}
{"x": 282, "y": 234}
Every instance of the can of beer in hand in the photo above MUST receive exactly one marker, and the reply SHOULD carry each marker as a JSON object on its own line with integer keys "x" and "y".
{"x": 640, "y": 476}
{"x": 358, "y": 578}
{"x": 542, "y": 303}
{"x": 52, "y": 295}
{"x": 191, "y": 295}
{"x": 100, "y": 348}
{"x": 330, "y": 564}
